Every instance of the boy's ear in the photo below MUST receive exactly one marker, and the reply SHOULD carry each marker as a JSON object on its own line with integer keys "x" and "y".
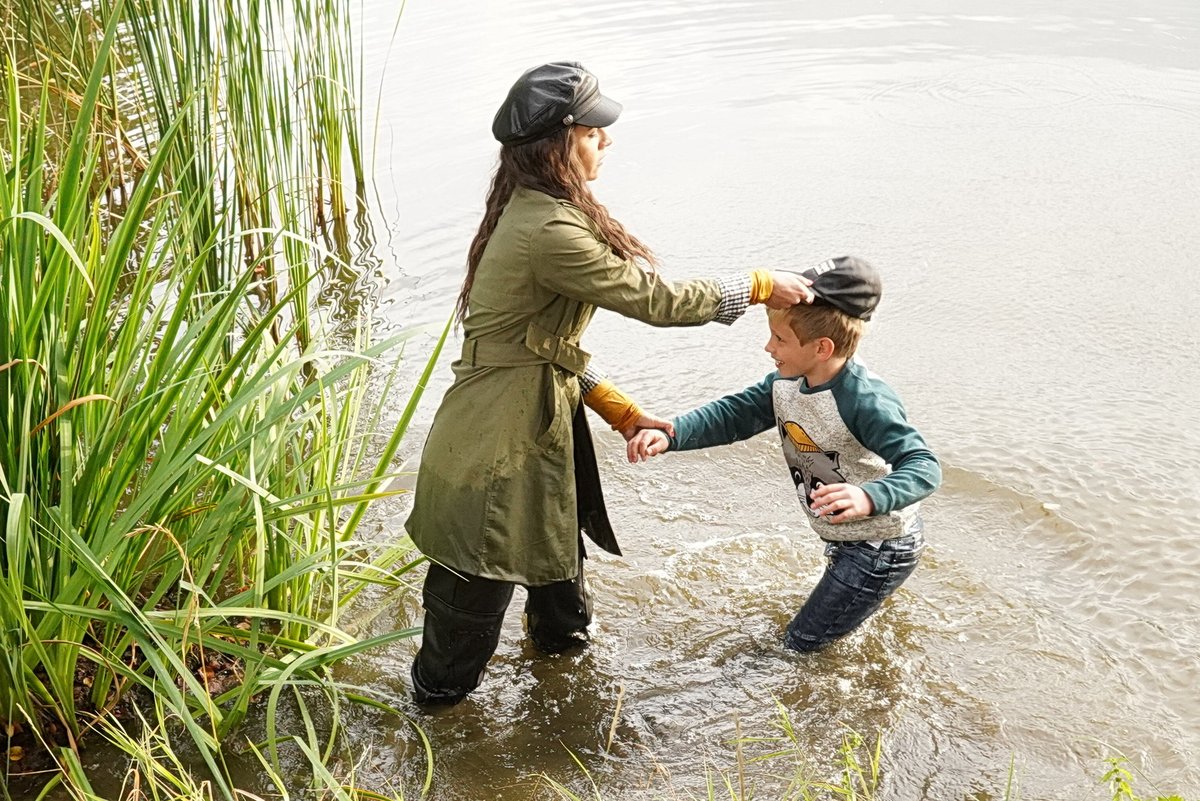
{"x": 825, "y": 348}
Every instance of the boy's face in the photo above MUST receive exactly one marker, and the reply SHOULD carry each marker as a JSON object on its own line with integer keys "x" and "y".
{"x": 792, "y": 358}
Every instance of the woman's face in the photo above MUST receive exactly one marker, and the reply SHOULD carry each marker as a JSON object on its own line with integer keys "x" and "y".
{"x": 589, "y": 146}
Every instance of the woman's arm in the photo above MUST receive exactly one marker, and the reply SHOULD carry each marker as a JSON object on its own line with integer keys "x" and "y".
{"x": 616, "y": 408}
{"x": 567, "y": 258}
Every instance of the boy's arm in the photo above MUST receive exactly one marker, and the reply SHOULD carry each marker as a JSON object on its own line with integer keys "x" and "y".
{"x": 881, "y": 425}
{"x": 729, "y": 419}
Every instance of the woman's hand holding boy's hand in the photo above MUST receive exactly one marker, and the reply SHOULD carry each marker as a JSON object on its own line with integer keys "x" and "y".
{"x": 788, "y": 289}
{"x": 646, "y": 420}
{"x": 841, "y": 503}
{"x": 646, "y": 443}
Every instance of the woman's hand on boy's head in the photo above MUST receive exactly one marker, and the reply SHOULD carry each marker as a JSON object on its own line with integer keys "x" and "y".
{"x": 788, "y": 289}
{"x": 646, "y": 443}
{"x": 841, "y": 503}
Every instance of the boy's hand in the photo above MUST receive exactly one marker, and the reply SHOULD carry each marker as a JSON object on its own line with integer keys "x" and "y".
{"x": 841, "y": 503}
{"x": 646, "y": 443}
